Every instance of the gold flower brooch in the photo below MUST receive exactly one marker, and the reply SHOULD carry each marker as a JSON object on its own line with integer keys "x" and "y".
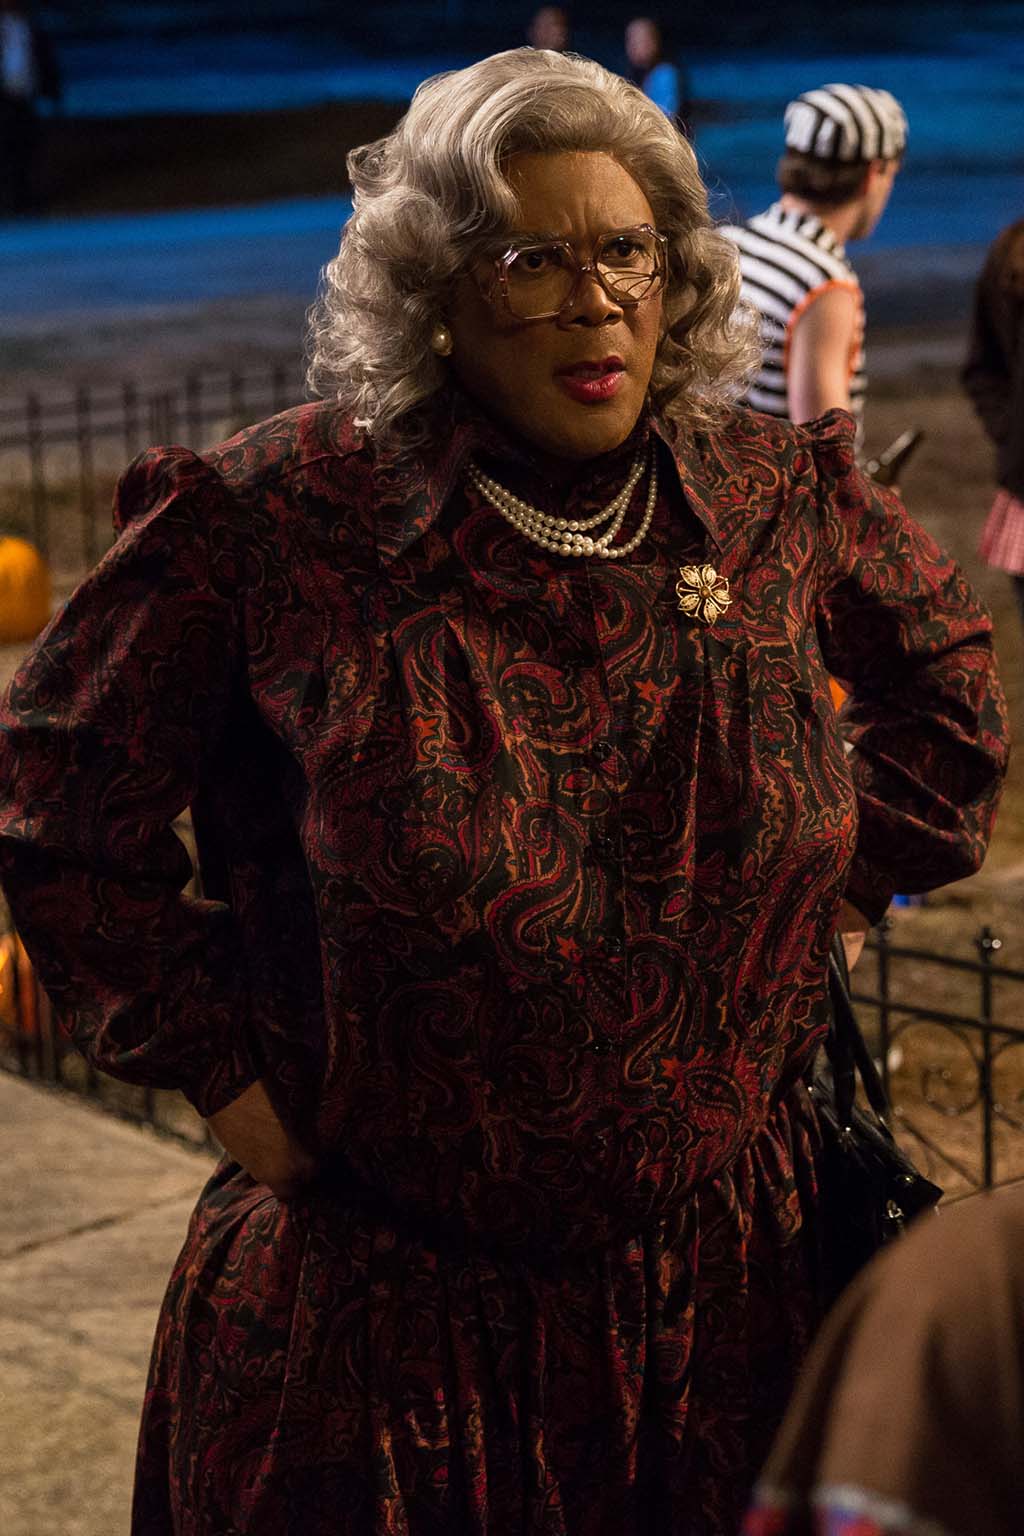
{"x": 703, "y": 594}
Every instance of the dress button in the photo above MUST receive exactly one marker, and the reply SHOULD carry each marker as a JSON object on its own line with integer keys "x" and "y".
{"x": 614, "y": 949}
{"x": 602, "y": 751}
{"x": 604, "y": 844}
{"x": 599, "y": 1046}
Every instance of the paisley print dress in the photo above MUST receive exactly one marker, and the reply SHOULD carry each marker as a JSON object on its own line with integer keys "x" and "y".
{"x": 518, "y": 886}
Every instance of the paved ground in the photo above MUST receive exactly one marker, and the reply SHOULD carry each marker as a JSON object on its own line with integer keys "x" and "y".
{"x": 92, "y": 1213}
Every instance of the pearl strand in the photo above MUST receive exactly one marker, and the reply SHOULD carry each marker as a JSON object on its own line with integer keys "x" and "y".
{"x": 559, "y": 535}
{"x": 503, "y": 500}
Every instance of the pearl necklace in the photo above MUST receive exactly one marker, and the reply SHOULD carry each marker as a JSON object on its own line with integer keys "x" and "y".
{"x": 571, "y": 536}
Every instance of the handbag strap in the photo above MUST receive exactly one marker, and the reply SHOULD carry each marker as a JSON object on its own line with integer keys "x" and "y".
{"x": 846, "y": 1047}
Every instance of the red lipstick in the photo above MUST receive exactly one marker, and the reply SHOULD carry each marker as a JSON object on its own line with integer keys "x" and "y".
{"x": 592, "y": 381}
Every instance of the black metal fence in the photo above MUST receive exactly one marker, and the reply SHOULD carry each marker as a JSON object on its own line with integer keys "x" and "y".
{"x": 948, "y": 1032}
{"x": 60, "y": 457}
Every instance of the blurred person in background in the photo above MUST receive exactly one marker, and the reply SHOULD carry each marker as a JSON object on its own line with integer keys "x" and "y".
{"x": 28, "y": 73}
{"x": 496, "y": 682}
{"x": 993, "y": 376}
{"x": 549, "y": 28}
{"x": 658, "y": 77}
{"x": 908, "y": 1419}
{"x": 843, "y": 149}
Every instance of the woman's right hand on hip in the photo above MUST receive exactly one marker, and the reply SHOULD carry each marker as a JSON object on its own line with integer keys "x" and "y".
{"x": 250, "y": 1130}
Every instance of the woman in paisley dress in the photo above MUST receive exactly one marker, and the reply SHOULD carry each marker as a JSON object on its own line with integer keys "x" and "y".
{"x": 497, "y": 683}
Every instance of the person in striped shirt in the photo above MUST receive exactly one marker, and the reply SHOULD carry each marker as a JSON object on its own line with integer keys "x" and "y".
{"x": 844, "y": 145}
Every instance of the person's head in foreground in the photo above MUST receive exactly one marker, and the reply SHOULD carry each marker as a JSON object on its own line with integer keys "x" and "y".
{"x": 908, "y": 1419}
{"x": 534, "y": 234}
{"x": 844, "y": 148}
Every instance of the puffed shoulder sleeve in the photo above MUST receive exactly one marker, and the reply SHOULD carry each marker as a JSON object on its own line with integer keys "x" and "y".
{"x": 900, "y": 627}
{"x": 101, "y": 734}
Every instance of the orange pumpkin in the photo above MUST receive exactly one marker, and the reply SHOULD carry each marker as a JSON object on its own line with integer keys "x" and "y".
{"x": 8, "y": 983}
{"x": 24, "y": 590}
{"x": 18, "y": 1011}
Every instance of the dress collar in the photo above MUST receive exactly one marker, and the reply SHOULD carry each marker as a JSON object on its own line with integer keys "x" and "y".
{"x": 412, "y": 491}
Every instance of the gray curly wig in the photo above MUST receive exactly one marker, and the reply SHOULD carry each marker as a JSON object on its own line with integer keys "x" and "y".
{"x": 431, "y": 198}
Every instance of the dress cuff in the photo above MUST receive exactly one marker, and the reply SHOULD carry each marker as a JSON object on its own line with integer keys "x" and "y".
{"x": 224, "y": 1081}
{"x": 869, "y": 890}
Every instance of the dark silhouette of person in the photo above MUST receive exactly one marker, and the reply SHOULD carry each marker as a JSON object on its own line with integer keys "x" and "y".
{"x": 28, "y": 73}
{"x": 993, "y": 376}
{"x": 654, "y": 71}
{"x": 549, "y": 28}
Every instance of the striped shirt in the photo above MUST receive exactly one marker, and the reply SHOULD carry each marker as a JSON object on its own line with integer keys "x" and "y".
{"x": 786, "y": 261}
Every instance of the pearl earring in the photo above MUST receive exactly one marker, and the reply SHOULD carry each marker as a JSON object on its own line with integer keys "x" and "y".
{"x": 441, "y": 339}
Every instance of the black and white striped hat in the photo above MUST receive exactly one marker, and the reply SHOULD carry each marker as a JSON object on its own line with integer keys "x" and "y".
{"x": 846, "y": 123}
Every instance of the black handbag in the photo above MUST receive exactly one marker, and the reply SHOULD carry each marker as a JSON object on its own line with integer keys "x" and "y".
{"x": 870, "y": 1190}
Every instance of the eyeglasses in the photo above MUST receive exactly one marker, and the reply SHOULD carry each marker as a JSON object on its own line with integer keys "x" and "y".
{"x": 538, "y": 281}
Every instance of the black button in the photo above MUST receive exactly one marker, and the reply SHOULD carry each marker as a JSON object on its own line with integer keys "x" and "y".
{"x": 614, "y": 948}
{"x": 602, "y": 751}
{"x": 600, "y": 1046}
{"x": 604, "y": 844}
